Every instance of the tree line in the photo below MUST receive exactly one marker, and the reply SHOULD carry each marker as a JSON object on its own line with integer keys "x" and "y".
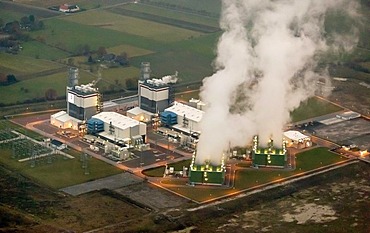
{"x": 14, "y": 32}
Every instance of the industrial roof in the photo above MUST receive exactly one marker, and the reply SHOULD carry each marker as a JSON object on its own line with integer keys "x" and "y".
{"x": 295, "y": 135}
{"x": 137, "y": 110}
{"x": 118, "y": 120}
{"x": 62, "y": 116}
{"x": 348, "y": 115}
{"x": 189, "y": 112}
{"x": 58, "y": 114}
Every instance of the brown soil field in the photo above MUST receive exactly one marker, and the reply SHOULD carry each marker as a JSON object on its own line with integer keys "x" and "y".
{"x": 28, "y": 207}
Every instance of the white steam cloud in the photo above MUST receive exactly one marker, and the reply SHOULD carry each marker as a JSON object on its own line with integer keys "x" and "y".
{"x": 266, "y": 66}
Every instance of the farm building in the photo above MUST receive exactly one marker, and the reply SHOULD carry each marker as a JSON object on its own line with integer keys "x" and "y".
{"x": 66, "y": 8}
{"x": 297, "y": 140}
{"x": 117, "y": 128}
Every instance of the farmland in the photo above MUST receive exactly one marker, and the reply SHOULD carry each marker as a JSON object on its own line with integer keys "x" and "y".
{"x": 58, "y": 48}
{"x": 20, "y": 65}
{"x": 132, "y": 26}
{"x": 183, "y": 16}
{"x": 168, "y": 48}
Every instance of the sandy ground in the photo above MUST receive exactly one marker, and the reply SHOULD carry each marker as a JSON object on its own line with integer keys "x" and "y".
{"x": 340, "y": 206}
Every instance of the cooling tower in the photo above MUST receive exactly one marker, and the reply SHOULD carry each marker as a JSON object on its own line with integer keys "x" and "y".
{"x": 207, "y": 173}
{"x": 268, "y": 156}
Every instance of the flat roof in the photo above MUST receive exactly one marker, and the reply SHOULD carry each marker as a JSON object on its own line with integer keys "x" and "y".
{"x": 137, "y": 110}
{"x": 349, "y": 115}
{"x": 118, "y": 120}
{"x": 64, "y": 117}
{"x": 191, "y": 113}
{"x": 295, "y": 135}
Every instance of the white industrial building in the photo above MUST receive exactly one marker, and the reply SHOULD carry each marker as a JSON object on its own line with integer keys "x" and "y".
{"x": 140, "y": 114}
{"x": 120, "y": 128}
{"x": 63, "y": 121}
{"x": 188, "y": 118}
{"x": 154, "y": 95}
{"x": 83, "y": 101}
{"x": 297, "y": 140}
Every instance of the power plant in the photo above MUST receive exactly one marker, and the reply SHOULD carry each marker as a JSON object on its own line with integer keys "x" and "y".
{"x": 83, "y": 101}
{"x": 268, "y": 156}
{"x": 207, "y": 173}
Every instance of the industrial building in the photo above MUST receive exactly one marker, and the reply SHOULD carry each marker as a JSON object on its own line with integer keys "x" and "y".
{"x": 207, "y": 174}
{"x": 268, "y": 156}
{"x": 83, "y": 101}
{"x": 297, "y": 140}
{"x": 154, "y": 94}
{"x": 117, "y": 128}
{"x": 182, "y": 118}
{"x": 121, "y": 104}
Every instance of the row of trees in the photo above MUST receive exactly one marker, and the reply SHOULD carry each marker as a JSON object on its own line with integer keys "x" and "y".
{"x": 26, "y": 23}
{"x": 15, "y": 31}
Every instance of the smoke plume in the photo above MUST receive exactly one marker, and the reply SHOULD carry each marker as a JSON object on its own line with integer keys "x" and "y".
{"x": 266, "y": 65}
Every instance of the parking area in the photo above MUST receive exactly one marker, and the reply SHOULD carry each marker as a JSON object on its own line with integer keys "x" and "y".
{"x": 349, "y": 132}
{"x": 152, "y": 156}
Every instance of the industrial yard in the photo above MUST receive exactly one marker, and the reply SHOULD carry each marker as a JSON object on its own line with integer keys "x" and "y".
{"x": 169, "y": 116}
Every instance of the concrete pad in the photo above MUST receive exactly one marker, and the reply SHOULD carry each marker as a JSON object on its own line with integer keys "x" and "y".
{"x": 111, "y": 182}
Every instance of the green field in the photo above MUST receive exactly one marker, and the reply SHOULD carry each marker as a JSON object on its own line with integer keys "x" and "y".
{"x": 9, "y": 15}
{"x": 84, "y": 4}
{"x": 249, "y": 178}
{"x": 115, "y": 78}
{"x": 35, "y": 49}
{"x": 62, "y": 172}
{"x": 313, "y": 107}
{"x": 19, "y": 65}
{"x": 183, "y": 16}
{"x": 195, "y": 6}
{"x": 68, "y": 35}
{"x": 132, "y": 26}
{"x": 58, "y": 81}
{"x": 131, "y": 51}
